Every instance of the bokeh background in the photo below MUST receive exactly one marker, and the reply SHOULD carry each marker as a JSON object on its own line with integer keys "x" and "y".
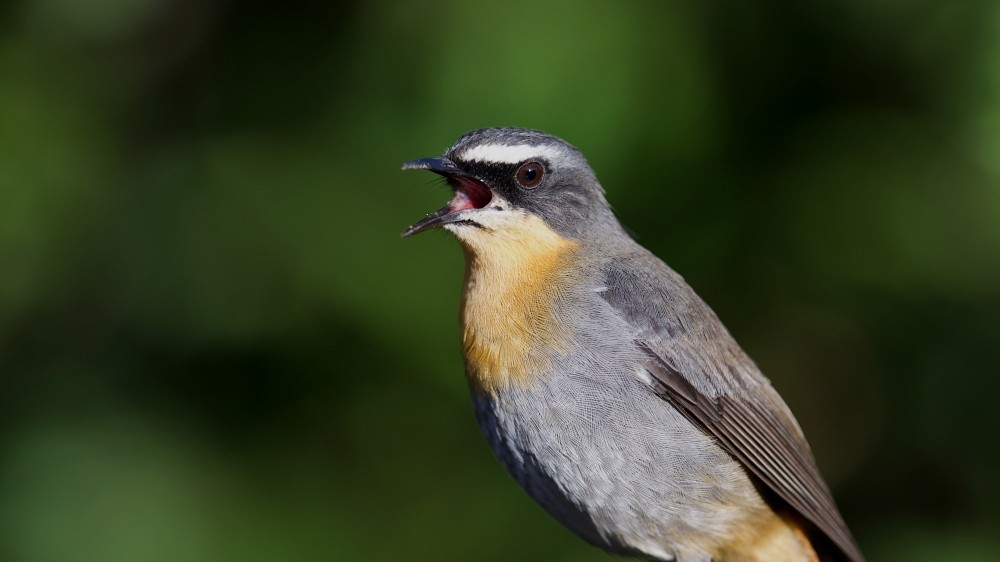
{"x": 214, "y": 345}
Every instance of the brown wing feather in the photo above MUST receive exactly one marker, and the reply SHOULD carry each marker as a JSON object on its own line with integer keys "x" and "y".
{"x": 764, "y": 445}
{"x": 700, "y": 369}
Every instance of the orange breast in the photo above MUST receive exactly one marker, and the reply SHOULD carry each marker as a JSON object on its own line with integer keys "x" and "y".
{"x": 515, "y": 279}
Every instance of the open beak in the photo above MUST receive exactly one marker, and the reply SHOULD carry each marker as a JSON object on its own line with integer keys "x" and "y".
{"x": 470, "y": 193}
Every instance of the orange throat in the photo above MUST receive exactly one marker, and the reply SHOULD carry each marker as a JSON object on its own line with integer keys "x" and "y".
{"x": 514, "y": 280}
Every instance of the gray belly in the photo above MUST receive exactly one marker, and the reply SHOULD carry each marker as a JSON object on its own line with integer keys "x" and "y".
{"x": 617, "y": 464}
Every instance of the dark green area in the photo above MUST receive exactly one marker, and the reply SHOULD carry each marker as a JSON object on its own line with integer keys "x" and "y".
{"x": 215, "y": 347}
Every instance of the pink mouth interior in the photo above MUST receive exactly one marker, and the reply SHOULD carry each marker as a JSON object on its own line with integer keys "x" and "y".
{"x": 469, "y": 194}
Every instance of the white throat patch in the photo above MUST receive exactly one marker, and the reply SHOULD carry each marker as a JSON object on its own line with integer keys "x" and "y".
{"x": 508, "y": 153}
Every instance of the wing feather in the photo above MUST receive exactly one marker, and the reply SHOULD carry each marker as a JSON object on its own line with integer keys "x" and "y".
{"x": 698, "y": 368}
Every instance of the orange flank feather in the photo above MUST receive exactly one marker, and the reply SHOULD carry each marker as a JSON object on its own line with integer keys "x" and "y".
{"x": 778, "y": 539}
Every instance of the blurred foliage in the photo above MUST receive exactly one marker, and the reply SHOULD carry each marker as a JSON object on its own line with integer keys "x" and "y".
{"x": 214, "y": 346}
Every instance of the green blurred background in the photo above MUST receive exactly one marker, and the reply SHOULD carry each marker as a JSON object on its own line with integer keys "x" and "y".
{"x": 215, "y": 347}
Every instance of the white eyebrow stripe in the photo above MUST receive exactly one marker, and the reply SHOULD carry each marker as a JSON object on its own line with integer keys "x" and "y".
{"x": 508, "y": 153}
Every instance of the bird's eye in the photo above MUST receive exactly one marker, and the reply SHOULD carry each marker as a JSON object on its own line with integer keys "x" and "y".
{"x": 530, "y": 175}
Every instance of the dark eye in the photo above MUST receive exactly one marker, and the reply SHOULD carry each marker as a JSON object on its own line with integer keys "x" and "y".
{"x": 530, "y": 175}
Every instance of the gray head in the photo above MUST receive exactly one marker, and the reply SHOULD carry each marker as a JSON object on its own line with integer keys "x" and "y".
{"x": 503, "y": 177}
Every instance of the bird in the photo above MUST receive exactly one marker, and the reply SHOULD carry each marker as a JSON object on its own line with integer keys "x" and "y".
{"x": 605, "y": 385}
